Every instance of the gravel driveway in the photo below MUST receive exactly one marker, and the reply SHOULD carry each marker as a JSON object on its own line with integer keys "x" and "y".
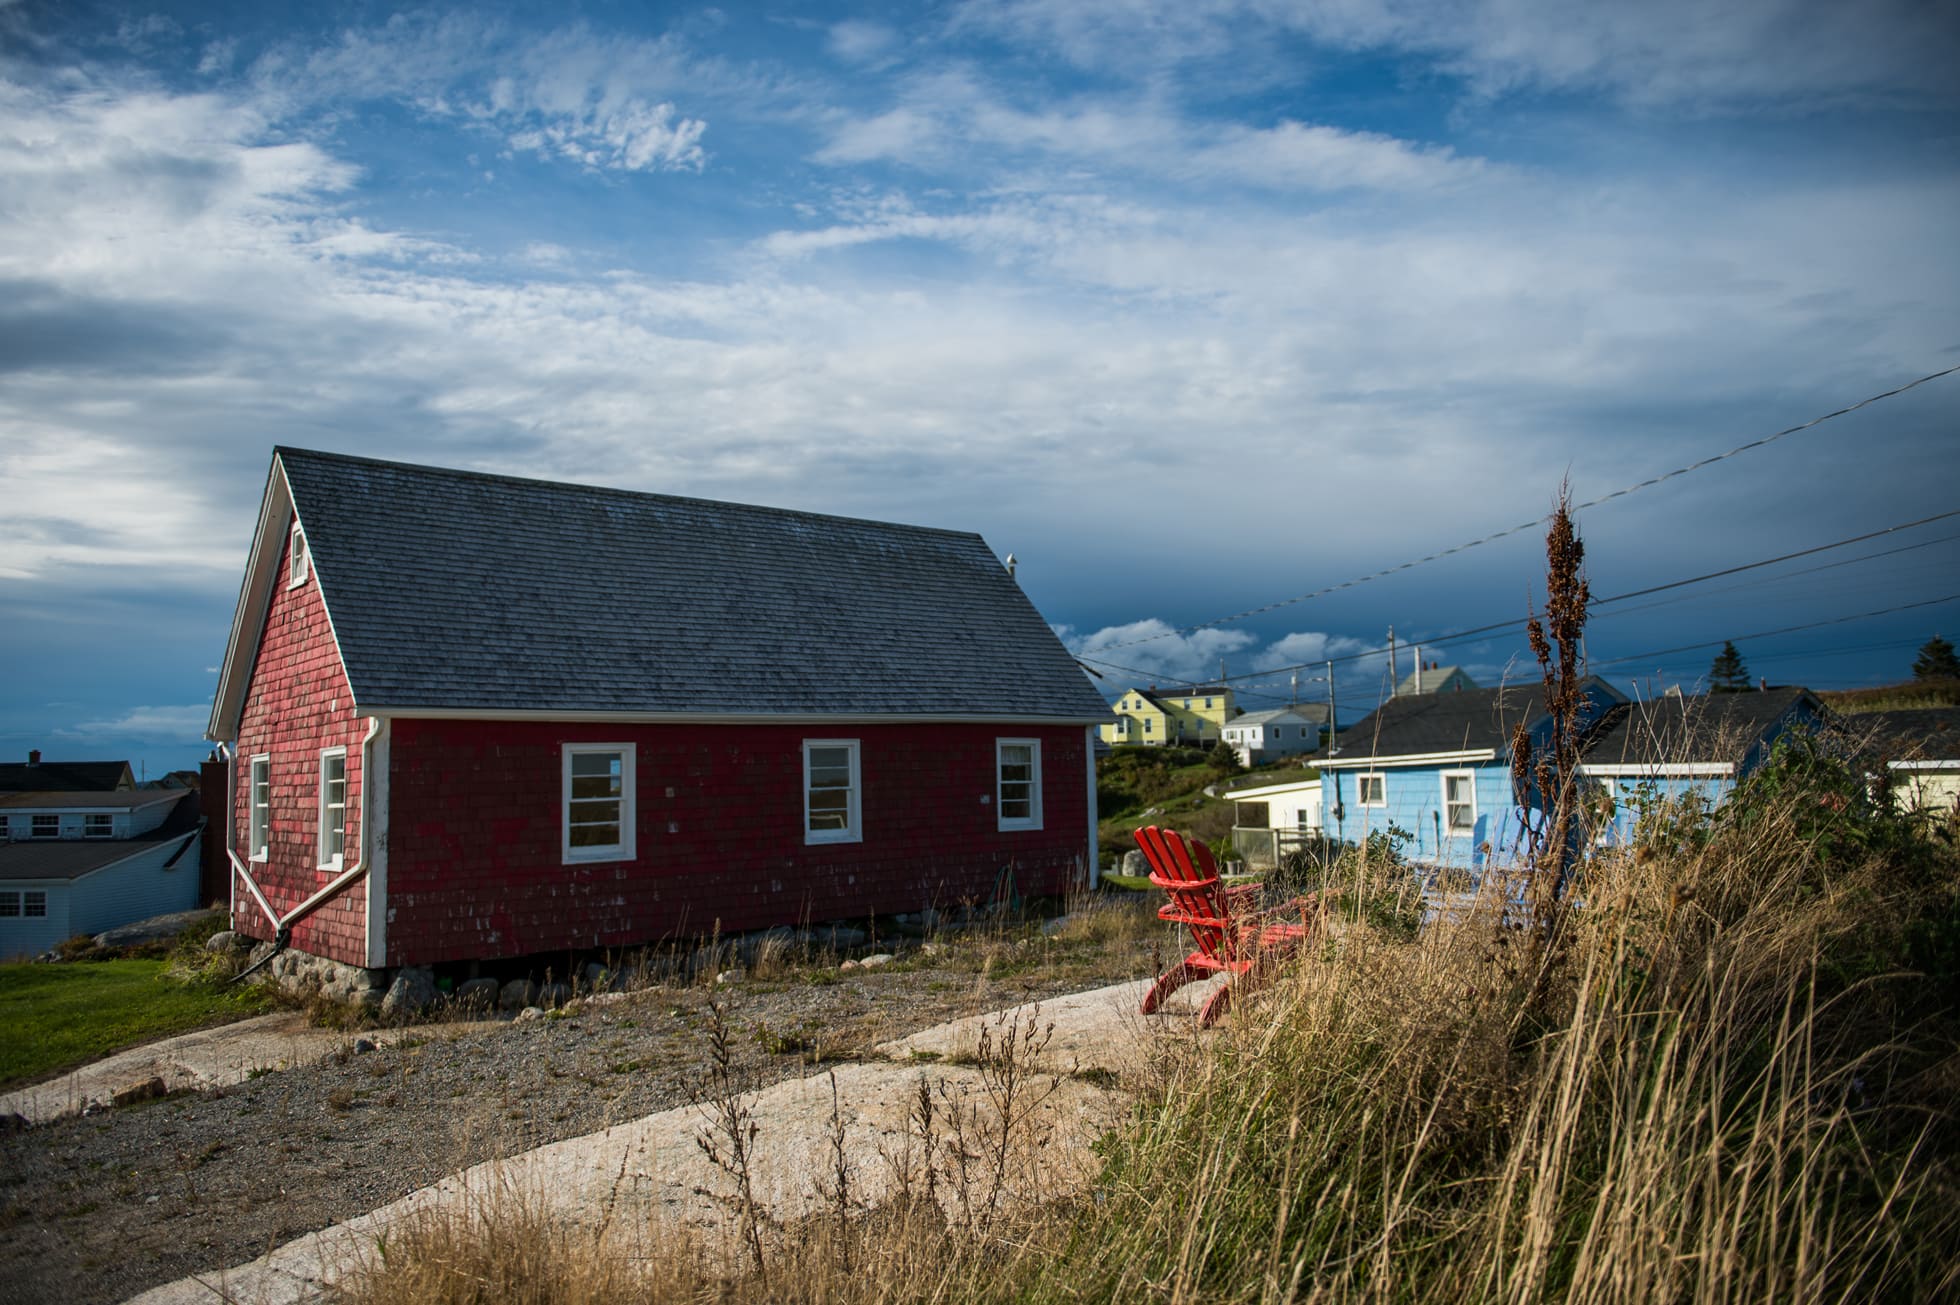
{"x": 99, "y": 1207}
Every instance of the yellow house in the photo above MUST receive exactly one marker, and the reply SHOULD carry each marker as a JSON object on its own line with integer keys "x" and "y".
{"x": 1193, "y": 717}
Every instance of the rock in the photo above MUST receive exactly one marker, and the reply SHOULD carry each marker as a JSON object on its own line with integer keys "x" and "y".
{"x": 848, "y": 965}
{"x": 477, "y": 994}
{"x": 12, "y": 1123}
{"x": 1057, "y": 925}
{"x": 412, "y": 992}
{"x": 362, "y": 1046}
{"x": 158, "y": 928}
{"x": 552, "y": 995}
{"x": 837, "y": 937}
{"x": 528, "y": 1014}
{"x": 518, "y": 994}
{"x": 144, "y": 1091}
{"x": 597, "y": 977}
{"x": 872, "y": 962}
{"x": 728, "y": 976}
{"x": 225, "y": 940}
{"x": 1135, "y": 864}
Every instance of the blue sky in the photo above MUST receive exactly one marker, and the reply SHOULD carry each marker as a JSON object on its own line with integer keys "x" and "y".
{"x": 1194, "y": 306}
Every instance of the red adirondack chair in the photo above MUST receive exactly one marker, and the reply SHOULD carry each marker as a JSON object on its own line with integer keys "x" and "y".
{"x": 1232, "y": 934}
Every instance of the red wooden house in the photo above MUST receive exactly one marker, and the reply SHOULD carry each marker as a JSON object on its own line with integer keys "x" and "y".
{"x": 474, "y": 716}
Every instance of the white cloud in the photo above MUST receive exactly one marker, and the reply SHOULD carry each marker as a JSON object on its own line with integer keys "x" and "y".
{"x": 162, "y": 724}
{"x": 857, "y": 41}
{"x": 1141, "y": 653}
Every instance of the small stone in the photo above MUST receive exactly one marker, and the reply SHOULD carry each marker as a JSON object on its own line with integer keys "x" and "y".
{"x": 477, "y": 994}
{"x": 528, "y": 1014}
{"x": 1135, "y": 864}
{"x": 518, "y": 994}
{"x": 362, "y": 1046}
{"x": 848, "y": 965}
{"x": 728, "y": 976}
{"x": 597, "y": 977}
{"x": 224, "y": 940}
{"x": 144, "y": 1091}
{"x": 1057, "y": 925}
{"x": 554, "y": 994}
{"x": 877, "y": 959}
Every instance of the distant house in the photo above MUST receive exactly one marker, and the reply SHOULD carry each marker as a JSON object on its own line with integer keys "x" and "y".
{"x": 1920, "y": 750}
{"x": 1193, "y": 717}
{"x": 1270, "y": 820}
{"x": 76, "y": 863}
{"x": 1437, "y": 767}
{"x": 1675, "y": 746}
{"x": 37, "y": 776}
{"x": 1434, "y": 679}
{"x": 1262, "y": 736}
{"x": 474, "y": 716}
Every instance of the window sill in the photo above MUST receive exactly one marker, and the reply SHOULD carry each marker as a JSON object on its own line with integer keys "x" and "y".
{"x": 817, "y": 840}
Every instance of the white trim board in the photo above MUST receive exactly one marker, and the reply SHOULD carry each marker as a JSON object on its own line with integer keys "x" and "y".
{"x": 1405, "y": 759}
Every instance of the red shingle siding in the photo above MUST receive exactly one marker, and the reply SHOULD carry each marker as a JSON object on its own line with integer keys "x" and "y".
{"x": 298, "y": 704}
{"x": 475, "y": 866}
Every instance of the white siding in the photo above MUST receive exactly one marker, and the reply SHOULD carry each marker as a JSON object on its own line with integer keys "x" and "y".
{"x": 22, "y": 939}
{"x": 136, "y": 889}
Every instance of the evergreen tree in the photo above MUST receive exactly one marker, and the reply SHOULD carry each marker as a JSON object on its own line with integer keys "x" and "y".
{"x": 1727, "y": 674}
{"x": 1224, "y": 758}
{"x": 1936, "y": 661}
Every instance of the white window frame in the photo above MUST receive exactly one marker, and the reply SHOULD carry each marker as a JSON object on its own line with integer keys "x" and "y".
{"x": 1033, "y": 819}
{"x": 36, "y": 824}
{"x": 99, "y": 824}
{"x": 624, "y": 849}
{"x": 296, "y": 558}
{"x": 258, "y": 814}
{"x": 325, "y": 859}
{"x": 1361, "y": 789}
{"x": 853, "y": 832}
{"x": 31, "y": 898}
{"x": 10, "y": 906}
{"x": 1450, "y": 828}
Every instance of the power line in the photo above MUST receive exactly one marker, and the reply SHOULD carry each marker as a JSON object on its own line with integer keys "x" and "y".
{"x": 1649, "y": 483}
{"x": 1458, "y": 636}
{"x": 1765, "y": 634}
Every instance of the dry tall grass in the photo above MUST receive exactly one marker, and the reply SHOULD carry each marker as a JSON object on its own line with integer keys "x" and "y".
{"x": 1733, "y": 1079}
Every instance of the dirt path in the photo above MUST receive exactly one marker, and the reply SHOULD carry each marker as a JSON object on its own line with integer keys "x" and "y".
{"x": 1092, "y": 1043}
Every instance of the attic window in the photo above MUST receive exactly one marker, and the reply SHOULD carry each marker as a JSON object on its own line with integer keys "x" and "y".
{"x": 296, "y": 560}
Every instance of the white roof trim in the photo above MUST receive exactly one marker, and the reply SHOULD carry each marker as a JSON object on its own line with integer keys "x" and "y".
{"x": 1949, "y": 764}
{"x": 1658, "y": 769}
{"x": 717, "y": 718}
{"x": 1406, "y": 759}
{"x": 1250, "y": 794}
{"x": 254, "y": 598}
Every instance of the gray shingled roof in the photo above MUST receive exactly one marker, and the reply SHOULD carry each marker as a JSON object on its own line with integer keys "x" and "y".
{"x": 1716, "y": 727}
{"x": 71, "y": 858}
{"x": 462, "y": 591}
{"x": 1307, "y": 711}
{"x": 68, "y": 776}
{"x": 1416, "y": 725}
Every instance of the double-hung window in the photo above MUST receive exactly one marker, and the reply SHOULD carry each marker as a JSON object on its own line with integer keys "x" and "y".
{"x": 1017, "y": 768}
{"x": 98, "y": 824}
{"x": 832, "y": 792}
{"x": 1459, "y": 802}
{"x": 1371, "y": 790}
{"x": 259, "y": 826}
{"x": 47, "y": 827}
{"x": 31, "y": 902}
{"x": 598, "y": 802}
{"x": 333, "y": 808}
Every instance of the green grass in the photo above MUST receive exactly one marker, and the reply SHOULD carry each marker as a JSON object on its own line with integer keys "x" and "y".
{"x": 56, "y": 1016}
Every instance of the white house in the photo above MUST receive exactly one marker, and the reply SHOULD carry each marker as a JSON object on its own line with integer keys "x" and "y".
{"x": 1274, "y": 819}
{"x": 76, "y": 863}
{"x": 1262, "y": 736}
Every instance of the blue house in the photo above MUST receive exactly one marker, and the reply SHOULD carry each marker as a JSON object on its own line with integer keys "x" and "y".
{"x": 1675, "y": 747}
{"x": 73, "y": 863}
{"x": 1438, "y": 766}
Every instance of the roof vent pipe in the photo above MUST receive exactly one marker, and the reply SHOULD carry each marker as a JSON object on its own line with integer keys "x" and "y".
{"x": 1010, "y": 566}
{"x": 1418, "y": 668}
{"x": 34, "y": 757}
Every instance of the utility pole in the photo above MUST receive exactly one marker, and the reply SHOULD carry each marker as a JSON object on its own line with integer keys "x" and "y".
{"x": 1394, "y": 678}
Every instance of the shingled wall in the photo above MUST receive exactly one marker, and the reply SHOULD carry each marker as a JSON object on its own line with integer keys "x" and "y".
{"x": 475, "y": 866}
{"x": 298, "y": 703}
